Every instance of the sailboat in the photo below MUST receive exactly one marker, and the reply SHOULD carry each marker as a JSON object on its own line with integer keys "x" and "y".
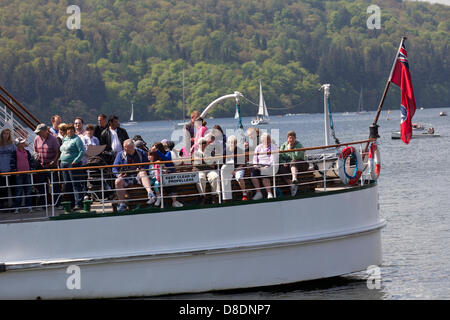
{"x": 263, "y": 116}
{"x": 360, "y": 103}
{"x": 131, "y": 122}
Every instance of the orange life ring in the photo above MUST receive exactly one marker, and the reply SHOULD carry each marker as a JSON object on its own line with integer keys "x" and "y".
{"x": 374, "y": 162}
{"x": 342, "y": 158}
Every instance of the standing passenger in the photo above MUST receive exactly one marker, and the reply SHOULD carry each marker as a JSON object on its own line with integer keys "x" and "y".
{"x": 7, "y": 148}
{"x": 114, "y": 137}
{"x": 79, "y": 123}
{"x": 72, "y": 152}
{"x": 46, "y": 150}
{"x": 102, "y": 121}
{"x": 56, "y": 121}
{"x": 190, "y": 127}
{"x": 21, "y": 160}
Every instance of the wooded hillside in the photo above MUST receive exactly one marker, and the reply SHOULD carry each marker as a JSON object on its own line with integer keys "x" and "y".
{"x": 137, "y": 50}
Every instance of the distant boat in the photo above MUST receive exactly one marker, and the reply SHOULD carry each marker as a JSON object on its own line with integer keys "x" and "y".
{"x": 263, "y": 116}
{"x": 443, "y": 114}
{"x": 419, "y": 131}
{"x": 360, "y": 103}
{"x": 131, "y": 122}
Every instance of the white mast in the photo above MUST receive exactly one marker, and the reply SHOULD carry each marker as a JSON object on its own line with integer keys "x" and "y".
{"x": 326, "y": 94}
{"x": 184, "y": 114}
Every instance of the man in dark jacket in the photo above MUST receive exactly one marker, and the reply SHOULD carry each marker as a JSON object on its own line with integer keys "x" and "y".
{"x": 114, "y": 136}
{"x": 102, "y": 121}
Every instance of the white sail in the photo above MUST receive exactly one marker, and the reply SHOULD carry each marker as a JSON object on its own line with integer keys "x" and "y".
{"x": 262, "y": 111}
{"x": 262, "y": 117}
{"x": 132, "y": 113}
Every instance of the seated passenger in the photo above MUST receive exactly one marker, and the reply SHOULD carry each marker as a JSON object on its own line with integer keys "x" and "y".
{"x": 207, "y": 167}
{"x": 265, "y": 164}
{"x": 253, "y": 135}
{"x": 157, "y": 154}
{"x": 292, "y": 162}
{"x": 233, "y": 166}
{"x": 131, "y": 175}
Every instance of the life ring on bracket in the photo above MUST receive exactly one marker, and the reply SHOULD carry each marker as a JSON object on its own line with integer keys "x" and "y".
{"x": 374, "y": 161}
{"x": 342, "y": 158}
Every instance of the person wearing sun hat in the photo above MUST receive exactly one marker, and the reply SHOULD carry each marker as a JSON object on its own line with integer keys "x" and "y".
{"x": 46, "y": 151}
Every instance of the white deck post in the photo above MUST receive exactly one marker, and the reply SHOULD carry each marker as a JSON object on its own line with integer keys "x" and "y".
{"x": 103, "y": 190}
{"x": 161, "y": 186}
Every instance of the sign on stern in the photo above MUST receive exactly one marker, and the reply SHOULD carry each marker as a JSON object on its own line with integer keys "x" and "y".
{"x": 175, "y": 179}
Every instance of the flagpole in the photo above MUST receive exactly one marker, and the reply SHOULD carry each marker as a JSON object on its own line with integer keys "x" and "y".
{"x": 380, "y": 106}
{"x": 374, "y": 126}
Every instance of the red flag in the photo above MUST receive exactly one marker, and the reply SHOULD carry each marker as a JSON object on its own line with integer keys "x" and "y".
{"x": 402, "y": 78}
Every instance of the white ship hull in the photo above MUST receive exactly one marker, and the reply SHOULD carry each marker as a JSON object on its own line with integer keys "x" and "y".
{"x": 196, "y": 250}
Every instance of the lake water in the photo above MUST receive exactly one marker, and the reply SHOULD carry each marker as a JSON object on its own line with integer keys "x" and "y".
{"x": 414, "y": 190}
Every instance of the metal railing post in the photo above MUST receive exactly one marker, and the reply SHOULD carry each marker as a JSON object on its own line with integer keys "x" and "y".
{"x": 362, "y": 159}
{"x": 7, "y": 190}
{"x": 46, "y": 200}
{"x": 161, "y": 186}
{"x": 51, "y": 193}
{"x": 103, "y": 191}
{"x": 274, "y": 181}
{"x": 219, "y": 182}
{"x": 324, "y": 173}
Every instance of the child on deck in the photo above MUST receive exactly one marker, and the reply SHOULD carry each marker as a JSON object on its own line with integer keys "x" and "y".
{"x": 158, "y": 153}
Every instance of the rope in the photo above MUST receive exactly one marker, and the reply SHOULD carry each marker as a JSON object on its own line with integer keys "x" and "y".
{"x": 333, "y": 133}
{"x": 285, "y": 108}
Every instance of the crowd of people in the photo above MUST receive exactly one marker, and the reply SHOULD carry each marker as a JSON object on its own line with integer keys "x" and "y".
{"x": 65, "y": 146}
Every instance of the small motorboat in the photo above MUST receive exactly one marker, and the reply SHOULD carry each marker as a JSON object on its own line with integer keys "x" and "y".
{"x": 443, "y": 114}
{"x": 419, "y": 131}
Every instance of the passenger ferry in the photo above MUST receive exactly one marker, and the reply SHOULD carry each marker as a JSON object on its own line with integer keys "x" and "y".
{"x": 331, "y": 226}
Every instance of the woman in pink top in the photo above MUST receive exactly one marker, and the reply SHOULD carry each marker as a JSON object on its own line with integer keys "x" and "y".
{"x": 21, "y": 160}
{"x": 200, "y": 131}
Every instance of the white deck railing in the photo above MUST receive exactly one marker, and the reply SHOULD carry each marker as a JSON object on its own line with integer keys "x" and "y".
{"x": 103, "y": 193}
